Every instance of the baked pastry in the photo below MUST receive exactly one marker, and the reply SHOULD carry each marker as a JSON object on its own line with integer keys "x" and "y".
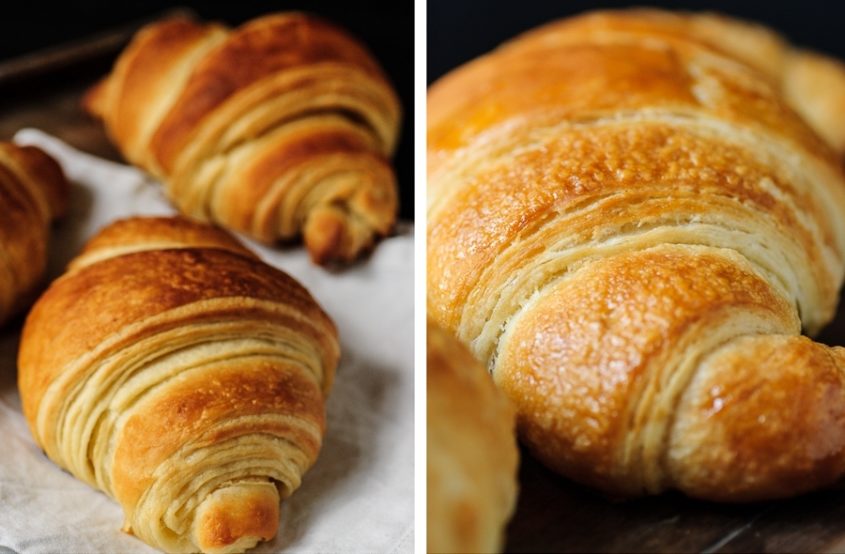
{"x": 173, "y": 370}
{"x": 33, "y": 192}
{"x": 279, "y": 128}
{"x": 630, "y": 225}
{"x": 471, "y": 448}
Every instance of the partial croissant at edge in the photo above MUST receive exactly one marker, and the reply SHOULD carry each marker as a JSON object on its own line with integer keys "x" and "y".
{"x": 33, "y": 192}
{"x": 280, "y": 129}
{"x": 631, "y": 223}
{"x": 176, "y": 372}
{"x": 472, "y": 456}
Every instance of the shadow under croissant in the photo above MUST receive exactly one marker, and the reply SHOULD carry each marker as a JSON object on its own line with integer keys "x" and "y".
{"x": 334, "y": 267}
{"x": 10, "y": 334}
{"x": 68, "y": 236}
{"x": 834, "y": 333}
{"x": 359, "y": 382}
{"x": 555, "y": 514}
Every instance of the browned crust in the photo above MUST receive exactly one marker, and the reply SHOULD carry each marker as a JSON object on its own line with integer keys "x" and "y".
{"x": 262, "y": 47}
{"x": 628, "y": 162}
{"x": 97, "y": 301}
{"x": 137, "y": 234}
{"x": 144, "y": 72}
{"x": 737, "y": 437}
{"x": 577, "y": 362}
{"x": 603, "y": 77}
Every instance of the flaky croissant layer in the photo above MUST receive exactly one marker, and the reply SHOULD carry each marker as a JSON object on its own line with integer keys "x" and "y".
{"x": 176, "y": 372}
{"x": 630, "y": 223}
{"x": 280, "y": 128}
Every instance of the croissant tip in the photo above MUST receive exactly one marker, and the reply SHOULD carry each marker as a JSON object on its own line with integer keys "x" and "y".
{"x": 236, "y": 518}
{"x": 93, "y": 98}
{"x": 324, "y": 238}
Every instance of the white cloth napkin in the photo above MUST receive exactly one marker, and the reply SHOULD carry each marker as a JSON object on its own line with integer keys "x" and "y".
{"x": 358, "y": 497}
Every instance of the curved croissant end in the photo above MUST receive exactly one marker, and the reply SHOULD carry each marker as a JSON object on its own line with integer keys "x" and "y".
{"x": 471, "y": 449}
{"x": 631, "y": 225}
{"x": 33, "y": 192}
{"x": 280, "y": 128}
{"x": 173, "y": 370}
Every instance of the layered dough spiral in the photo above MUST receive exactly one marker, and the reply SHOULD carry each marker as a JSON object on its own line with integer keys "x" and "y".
{"x": 280, "y": 128}
{"x": 176, "y": 372}
{"x": 33, "y": 192}
{"x": 471, "y": 451}
{"x": 630, "y": 223}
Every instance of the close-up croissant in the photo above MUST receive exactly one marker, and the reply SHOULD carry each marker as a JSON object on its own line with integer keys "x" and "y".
{"x": 33, "y": 192}
{"x": 173, "y": 370}
{"x": 281, "y": 128}
{"x": 633, "y": 216}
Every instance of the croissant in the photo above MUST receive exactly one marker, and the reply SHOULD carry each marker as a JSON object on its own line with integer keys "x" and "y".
{"x": 278, "y": 129}
{"x": 472, "y": 453}
{"x": 173, "y": 370}
{"x": 33, "y": 192}
{"x": 630, "y": 224}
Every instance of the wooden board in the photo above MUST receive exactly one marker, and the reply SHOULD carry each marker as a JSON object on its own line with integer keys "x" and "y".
{"x": 555, "y": 515}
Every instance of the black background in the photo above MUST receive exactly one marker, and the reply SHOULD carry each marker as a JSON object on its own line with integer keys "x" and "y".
{"x": 459, "y": 30}
{"x": 387, "y": 28}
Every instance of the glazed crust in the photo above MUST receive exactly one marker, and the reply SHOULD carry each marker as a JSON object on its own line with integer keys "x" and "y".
{"x": 175, "y": 371}
{"x": 280, "y": 128}
{"x": 471, "y": 449}
{"x": 33, "y": 192}
{"x": 628, "y": 212}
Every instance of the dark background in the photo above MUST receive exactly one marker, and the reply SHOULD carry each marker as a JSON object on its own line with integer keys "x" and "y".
{"x": 387, "y": 28}
{"x": 459, "y": 30}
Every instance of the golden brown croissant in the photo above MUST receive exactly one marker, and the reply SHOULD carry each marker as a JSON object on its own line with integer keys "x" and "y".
{"x": 279, "y": 128}
{"x": 33, "y": 191}
{"x": 176, "y": 372}
{"x": 471, "y": 448}
{"x": 630, "y": 225}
